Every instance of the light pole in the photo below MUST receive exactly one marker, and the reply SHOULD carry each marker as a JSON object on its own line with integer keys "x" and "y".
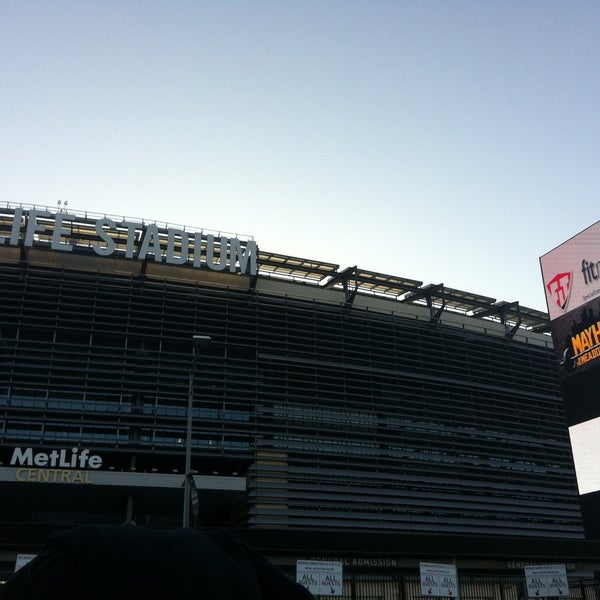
{"x": 199, "y": 342}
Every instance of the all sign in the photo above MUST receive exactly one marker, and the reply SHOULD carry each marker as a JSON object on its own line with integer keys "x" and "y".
{"x": 546, "y": 580}
{"x": 439, "y": 580}
{"x": 320, "y": 578}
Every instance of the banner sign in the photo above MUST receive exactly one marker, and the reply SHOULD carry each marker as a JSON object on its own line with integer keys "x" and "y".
{"x": 546, "y": 580}
{"x": 320, "y": 578}
{"x": 438, "y": 580}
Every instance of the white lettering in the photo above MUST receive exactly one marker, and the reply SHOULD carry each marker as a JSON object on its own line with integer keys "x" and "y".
{"x": 33, "y": 226}
{"x": 197, "y": 250}
{"x": 40, "y": 459}
{"x": 150, "y": 244}
{"x": 56, "y": 458}
{"x": 83, "y": 457}
{"x": 60, "y": 231}
{"x": 131, "y": 227}
{"x": 16, "y": 227}
{"x": 172, "y": 258}
{"x": 22, "y": 458}
{"x": 13, "y": 240}
{"x": 102, "y": 234}
{"x": 243, "y": 258}
{"x": 95, "y": 462}
{"x": 63, "y": 459}
{"x": 210, "y": 253}
{"x": 133, "y": 240}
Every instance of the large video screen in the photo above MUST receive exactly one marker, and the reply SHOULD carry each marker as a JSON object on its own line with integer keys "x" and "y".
{"x": 571, "y": 275}
{"x": 571, "y": 272}
{"x": 585, "y": 443}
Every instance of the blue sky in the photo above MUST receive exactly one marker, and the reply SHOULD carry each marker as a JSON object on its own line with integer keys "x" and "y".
{"x": 448, "y": 142}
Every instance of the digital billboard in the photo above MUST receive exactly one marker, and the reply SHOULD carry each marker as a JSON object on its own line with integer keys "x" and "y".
{"x": 571, "y": 276}
{"x": 571, "y": 272}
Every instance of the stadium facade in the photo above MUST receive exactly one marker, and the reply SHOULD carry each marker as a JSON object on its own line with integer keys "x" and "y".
{"x": 336, "y": 413}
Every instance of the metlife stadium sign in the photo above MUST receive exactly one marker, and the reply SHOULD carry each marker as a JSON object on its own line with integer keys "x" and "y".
{"x": 137, "y": 240}
{"x": 55, "y": 466}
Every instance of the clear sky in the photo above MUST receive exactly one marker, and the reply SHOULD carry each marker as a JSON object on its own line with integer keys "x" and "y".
{"x": 448, "y": 142}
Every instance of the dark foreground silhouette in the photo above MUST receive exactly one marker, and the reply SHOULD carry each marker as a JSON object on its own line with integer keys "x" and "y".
{"x": 93, "y": 562}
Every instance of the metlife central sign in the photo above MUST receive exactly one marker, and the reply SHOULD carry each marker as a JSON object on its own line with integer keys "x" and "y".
{"x": 56, "y": 466}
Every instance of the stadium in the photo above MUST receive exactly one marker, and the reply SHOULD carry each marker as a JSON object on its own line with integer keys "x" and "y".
{"x": 320, "y": 412}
